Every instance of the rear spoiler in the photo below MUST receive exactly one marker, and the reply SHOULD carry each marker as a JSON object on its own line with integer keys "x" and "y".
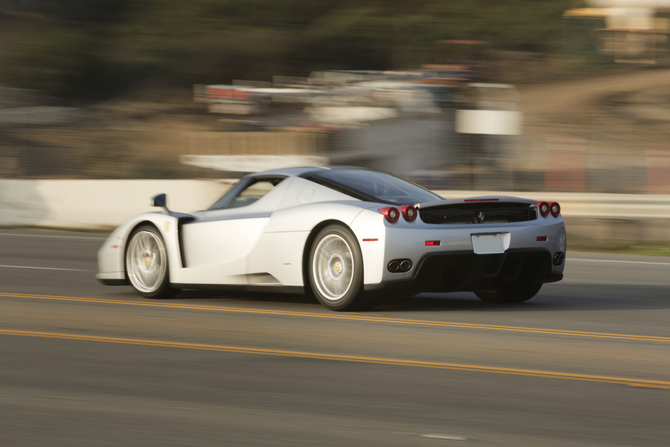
{"x": 503, "y": 199}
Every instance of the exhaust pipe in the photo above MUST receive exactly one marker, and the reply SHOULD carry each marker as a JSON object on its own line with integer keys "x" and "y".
{"x": 559, "y": 257}
{"x": 400, "y": 266}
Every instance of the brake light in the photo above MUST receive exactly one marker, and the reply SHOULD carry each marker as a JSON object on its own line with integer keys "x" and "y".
{"x": 408, "y": 212}
{"x": 555, "y": 209}
{"x": 544, "y": 208}
{"x": 391, "y": 213}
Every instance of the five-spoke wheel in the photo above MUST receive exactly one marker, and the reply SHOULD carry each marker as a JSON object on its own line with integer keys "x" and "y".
{"x": 147, "y": 263}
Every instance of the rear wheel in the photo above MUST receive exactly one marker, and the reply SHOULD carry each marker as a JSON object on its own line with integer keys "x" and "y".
{"x": 513, "y": 293}
{"x": 147, "y": 263}
{"x": 336, "y": 270}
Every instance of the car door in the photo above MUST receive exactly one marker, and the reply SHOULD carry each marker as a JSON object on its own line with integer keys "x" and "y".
{"x": 217, "y": 243}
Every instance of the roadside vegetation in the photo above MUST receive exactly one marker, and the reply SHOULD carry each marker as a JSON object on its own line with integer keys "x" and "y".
{"x": 660, "y": 248}
{"x": 91, "y": 50}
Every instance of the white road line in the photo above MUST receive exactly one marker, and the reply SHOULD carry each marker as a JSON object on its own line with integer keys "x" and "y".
{"x": 618, "y": 262}
{"x": 449, "y": 437}
{"x": 42, "y": 268}
{"x": 54, "y": 236}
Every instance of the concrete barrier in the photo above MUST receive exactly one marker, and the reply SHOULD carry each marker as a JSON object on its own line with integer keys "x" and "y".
{"x": 102, "y": 204}
{"x": 96, "y": 204}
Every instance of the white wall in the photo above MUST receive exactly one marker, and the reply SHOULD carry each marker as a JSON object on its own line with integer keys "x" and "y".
{"x": 97, "y": 203}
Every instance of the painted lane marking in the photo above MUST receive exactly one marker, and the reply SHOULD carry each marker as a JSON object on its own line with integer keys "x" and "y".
{"x": 448, "y": 437}
{"x": 42, "y": 268}
{"x": 617, "y": 262}
{"x": 54, "y": 236}
{"x": 344, "y": 317}
{"x": 348, "y": 358}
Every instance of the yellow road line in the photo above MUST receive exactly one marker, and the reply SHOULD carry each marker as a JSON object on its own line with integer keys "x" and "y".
{"x": 351, "y": 317}
{"x": 348, "y": 358}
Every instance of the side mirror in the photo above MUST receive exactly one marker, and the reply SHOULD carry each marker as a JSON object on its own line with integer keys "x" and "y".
{"x": 160, "y": 201}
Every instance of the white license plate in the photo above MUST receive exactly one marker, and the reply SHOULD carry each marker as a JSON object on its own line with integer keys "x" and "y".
{"x": 484, "y": 244}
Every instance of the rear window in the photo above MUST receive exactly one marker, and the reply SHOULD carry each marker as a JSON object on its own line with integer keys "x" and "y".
{"x": 373, "y": 186}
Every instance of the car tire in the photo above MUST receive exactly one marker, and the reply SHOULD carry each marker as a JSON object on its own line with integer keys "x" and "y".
{"x": 513, "y": 293}
{"x": 146, "y": 263}
{"x": 335, "y": 270}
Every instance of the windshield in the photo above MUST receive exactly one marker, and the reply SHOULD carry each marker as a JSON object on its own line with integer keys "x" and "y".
{"x": 372, "y": 186}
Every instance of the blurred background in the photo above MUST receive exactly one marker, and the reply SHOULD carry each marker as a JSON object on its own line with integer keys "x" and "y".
{"x": 477, "y": 95}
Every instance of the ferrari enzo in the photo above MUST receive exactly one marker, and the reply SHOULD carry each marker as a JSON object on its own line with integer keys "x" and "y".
{"x": 345, "y": 235}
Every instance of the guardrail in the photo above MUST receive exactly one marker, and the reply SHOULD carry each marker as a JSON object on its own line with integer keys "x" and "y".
{"x": 592, "y": 206}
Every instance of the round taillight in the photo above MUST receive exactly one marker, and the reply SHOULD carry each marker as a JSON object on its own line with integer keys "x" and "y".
{"x": 408, "y": 212}
{"x": 555, "y": 209}
{"x": 391, "y": 213}
{"x": 544, "y": 208}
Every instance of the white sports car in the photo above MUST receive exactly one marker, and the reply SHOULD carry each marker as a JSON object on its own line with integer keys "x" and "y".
{"x": 343, "y": 234}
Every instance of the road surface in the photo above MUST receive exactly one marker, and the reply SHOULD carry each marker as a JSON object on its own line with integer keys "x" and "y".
{"x": 585, "y": 363}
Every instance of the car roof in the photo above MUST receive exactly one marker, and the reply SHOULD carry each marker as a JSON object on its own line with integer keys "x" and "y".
{"x": 298, "y": 171}
{"x": 360, "y": 183}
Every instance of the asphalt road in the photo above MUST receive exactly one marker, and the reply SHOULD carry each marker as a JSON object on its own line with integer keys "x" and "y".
{"x": 585, "y": 363}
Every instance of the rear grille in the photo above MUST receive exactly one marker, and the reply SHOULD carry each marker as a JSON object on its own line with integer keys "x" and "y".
{"x": 454, "y": 272}
{"x": 478, "y": 213}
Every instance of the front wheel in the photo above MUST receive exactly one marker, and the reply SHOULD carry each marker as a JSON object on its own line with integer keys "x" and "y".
{"x": 336, "y": 270}
{"x": 513, "y": 293}
{"x": 147, "y": 263}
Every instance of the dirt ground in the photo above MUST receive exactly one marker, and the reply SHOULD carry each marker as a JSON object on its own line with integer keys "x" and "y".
{"x": 616, "y": 119}
{"x": 605, "y": 104}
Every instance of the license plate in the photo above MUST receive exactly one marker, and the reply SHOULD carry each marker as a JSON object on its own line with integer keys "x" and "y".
{"x": 484, "y": 244}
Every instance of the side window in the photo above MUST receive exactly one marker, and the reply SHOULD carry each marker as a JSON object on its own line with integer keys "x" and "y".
{"x": 253, "y": 192}
{"x": 246, "y": 192}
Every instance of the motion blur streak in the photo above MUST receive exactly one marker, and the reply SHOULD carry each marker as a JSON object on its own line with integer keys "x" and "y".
{"x": 346, "y": 317}
{"x": 41, "y": 268}
{"x": 347, "y": 358}
{"x": 618, "y": 262}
